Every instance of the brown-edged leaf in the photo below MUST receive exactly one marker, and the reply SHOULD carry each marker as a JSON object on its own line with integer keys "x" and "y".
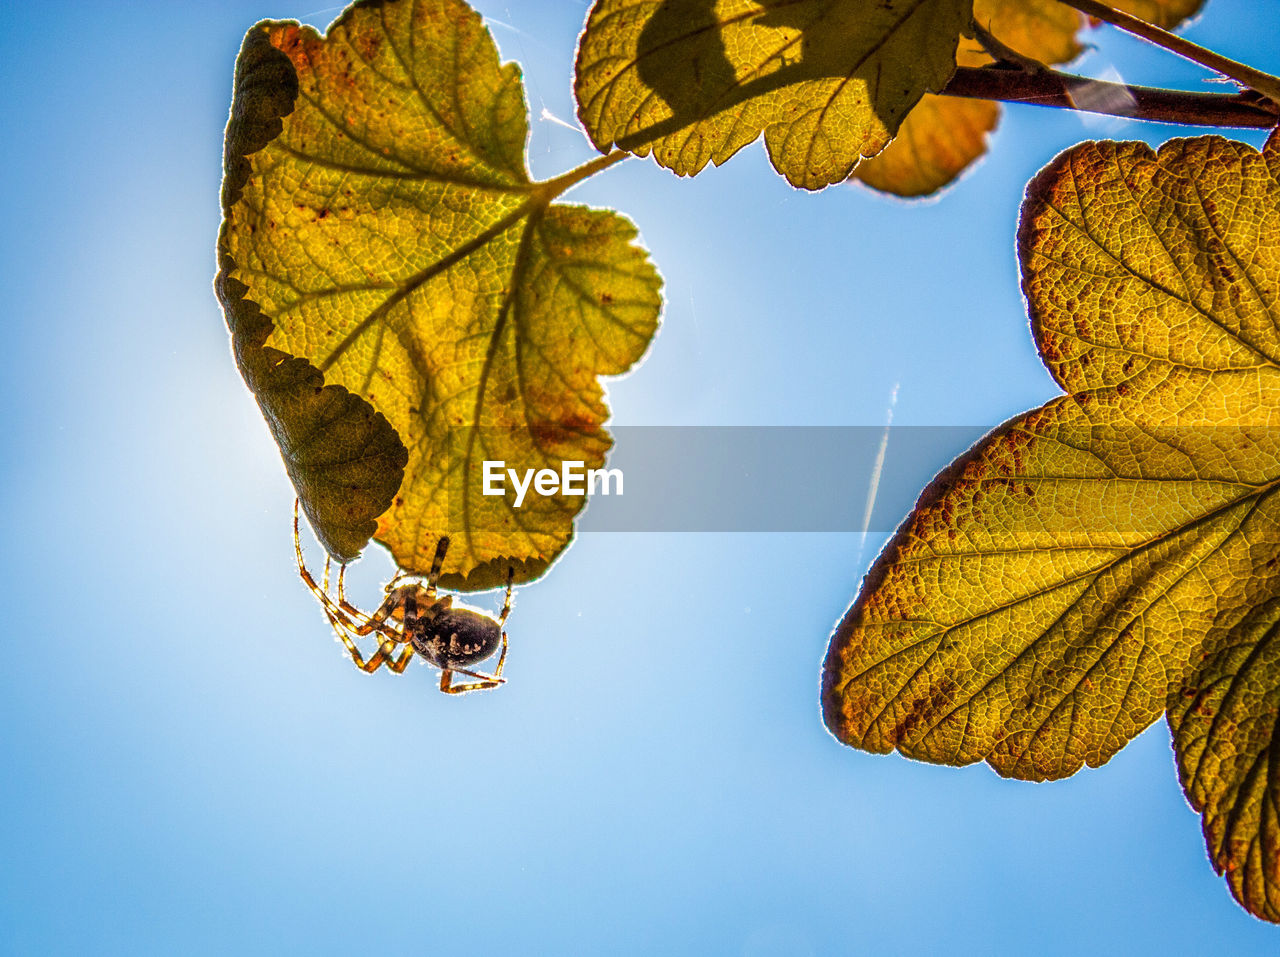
{"x": 1119, "y": 547}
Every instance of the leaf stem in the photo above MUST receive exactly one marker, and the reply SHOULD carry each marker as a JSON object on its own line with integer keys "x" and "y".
{"x": 1067, "y": 91}
{"x": 1264, "y": 83}
{"x": 549, "y": 189}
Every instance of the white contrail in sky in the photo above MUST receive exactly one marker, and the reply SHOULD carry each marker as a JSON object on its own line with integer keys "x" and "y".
{"x": 549, "y": 117}
{"x": 876, "y": 468}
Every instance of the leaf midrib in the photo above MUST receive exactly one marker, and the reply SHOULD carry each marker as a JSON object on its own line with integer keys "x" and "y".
{"x": 414, "y": 282}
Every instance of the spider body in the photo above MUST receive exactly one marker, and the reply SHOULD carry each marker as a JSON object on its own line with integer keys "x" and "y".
{"x": 411, "y": 619}
{"x": 448, "y": 637}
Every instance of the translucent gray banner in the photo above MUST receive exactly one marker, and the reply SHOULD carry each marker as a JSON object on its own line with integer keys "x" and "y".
{"x": 856, "y": 479}
{"x": 741, "y": 479}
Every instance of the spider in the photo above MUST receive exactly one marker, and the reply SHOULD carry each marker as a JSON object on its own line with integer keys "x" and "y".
{"x": 451, "y": 639}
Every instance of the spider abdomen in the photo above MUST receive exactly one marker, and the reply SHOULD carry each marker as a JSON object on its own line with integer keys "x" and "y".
{"x": 455, "y": 637}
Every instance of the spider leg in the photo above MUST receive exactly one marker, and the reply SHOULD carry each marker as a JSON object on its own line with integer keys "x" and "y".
{"x": 436, "y": 564}
{"x": 366, "y": 623}
{"x": 506, "y": 606}
{"x": 352, "y": 618}
{"x": 386, "y": 653}
{"x": 363, "y": 623}
{"x": 401, "y": 575}
{"x": 486, "y": 681}
{"x": 302, "y": 566}
{"x": 399, "y": 664}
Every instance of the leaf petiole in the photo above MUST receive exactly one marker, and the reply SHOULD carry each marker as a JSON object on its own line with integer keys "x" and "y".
{"x": 548, "y": 189}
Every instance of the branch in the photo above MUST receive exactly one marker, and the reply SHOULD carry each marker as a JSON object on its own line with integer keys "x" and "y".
{"x": 1264, "y": 83}
{"x": 1066, "y": 91}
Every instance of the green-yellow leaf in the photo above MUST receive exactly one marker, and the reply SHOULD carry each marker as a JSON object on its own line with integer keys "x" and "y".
{"x": 393, "y": 238}
{"x": 1118, "y": 548}
{"x": 826, "y": 81}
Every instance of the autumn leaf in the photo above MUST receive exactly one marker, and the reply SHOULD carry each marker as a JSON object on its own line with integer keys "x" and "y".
{"x": 1163, "y": 13}
{"x": 826, "y": 81}
{"x": 944, "y": 135}
{"x": 936, "y": 142}
{"x": 1043, "y": 30}
{"x": 1224, "y": 719}
{"x": 389, "y": 233}
{"x": 1117, "y": 550}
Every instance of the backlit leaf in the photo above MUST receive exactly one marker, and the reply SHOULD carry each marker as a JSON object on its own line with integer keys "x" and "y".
{"x": 391, "y": 235}
{"x": 1163, "y": 13}
{"x": 1226, "y": 722}
{"x": 937, "y": 141}
{"x": 826, "y": 81}
{"x": 1043, "y": 30}
{"x": 1119, "y": 548}
{"x": 1048, "y": 31}
{"x": 943, "y": 135}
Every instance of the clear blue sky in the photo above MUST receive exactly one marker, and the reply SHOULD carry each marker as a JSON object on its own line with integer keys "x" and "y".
{"x": 192, "y": 767}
